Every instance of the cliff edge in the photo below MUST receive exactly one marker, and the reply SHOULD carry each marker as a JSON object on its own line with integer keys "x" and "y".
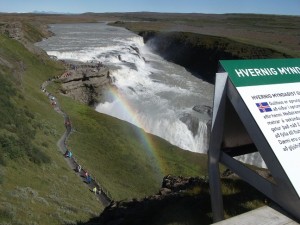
{"x": 200, "y": 54}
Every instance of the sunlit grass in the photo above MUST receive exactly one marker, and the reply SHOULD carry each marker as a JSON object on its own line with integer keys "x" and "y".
{"x": 114, "y": 151}
{"x": 45, "y": 192}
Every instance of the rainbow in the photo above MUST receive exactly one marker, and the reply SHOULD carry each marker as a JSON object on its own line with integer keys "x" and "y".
{"x": 145, "y": 138}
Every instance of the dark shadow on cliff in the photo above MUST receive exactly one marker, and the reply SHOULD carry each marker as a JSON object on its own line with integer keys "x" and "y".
{"x": 200, "y": 54}
{"x": 173, "y": 209}
{"x": 176, "y": 205}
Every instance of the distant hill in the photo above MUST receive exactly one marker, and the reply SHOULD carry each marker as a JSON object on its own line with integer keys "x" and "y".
{"x": 51, "y": 12}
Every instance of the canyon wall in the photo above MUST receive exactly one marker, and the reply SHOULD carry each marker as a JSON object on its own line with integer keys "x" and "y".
{"x": 200, "y": 54}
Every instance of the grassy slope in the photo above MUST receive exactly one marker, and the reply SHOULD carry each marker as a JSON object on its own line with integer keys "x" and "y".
{"x": 37, "y": 192}
{"x": 110, "y": 149}
{"x": 114, "y": 152}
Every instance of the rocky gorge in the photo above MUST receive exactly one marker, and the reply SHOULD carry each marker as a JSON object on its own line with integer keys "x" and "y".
{"x": 200, "y": 54}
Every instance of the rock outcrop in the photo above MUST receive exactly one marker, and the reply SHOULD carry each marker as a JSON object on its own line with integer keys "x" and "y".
{"x": 203, "y": 109}
{"x": 13, "y": 30}
{"x": 176, "y": 193}
{"x": 27, "y": 34}
{"x": 191, "y": 122}
{"x": 200, "y": 113}
{"x": 85, "y": 82}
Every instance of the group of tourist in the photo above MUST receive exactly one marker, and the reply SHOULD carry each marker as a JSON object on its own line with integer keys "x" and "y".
{"x": 66, "y": 74}
{"x": 86, "y": 175}
{"x": 68, "y": 153}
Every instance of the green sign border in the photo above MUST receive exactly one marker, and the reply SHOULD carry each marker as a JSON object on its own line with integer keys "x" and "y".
{"x": 251, "y": 78}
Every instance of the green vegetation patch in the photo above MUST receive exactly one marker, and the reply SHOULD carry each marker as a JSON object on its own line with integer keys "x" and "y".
{"x": 45, "y": 194}
{"x": 32, "y": 33}
{"x": 36, "y": 184}
{"x": 17, "y": 123}
{"x": 123, "y": 158}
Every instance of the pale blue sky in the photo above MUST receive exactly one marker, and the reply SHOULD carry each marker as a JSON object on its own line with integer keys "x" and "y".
{"x": 282, "y": 7}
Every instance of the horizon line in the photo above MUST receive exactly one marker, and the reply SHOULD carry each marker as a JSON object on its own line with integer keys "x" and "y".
{"x": 153, "y": 12}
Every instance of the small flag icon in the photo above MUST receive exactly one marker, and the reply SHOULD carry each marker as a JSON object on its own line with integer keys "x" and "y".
{"x": 263, "y": 107}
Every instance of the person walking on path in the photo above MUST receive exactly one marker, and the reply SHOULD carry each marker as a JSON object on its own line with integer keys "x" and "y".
{"x": 78, "y": 168}
{"x": 95, "y": 190}
{"x": 89, "y": 179}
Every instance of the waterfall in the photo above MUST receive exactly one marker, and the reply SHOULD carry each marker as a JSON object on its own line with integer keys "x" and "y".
{"x": 159, "y": 96}
{"x": 152, "y": 93}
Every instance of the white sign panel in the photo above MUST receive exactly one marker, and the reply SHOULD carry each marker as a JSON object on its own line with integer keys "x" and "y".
{"x": 271, "y": 91}
{"x": 277, "y": 114}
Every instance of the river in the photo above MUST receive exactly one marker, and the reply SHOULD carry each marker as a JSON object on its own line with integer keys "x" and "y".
{"x": 161, "y": 97}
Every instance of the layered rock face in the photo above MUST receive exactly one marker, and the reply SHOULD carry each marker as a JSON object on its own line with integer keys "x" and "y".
{"x": 85, "y": 82}
{"x": 200, "y": 54}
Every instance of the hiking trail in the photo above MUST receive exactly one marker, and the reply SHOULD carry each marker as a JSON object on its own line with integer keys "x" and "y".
{"x": 102, "y": 194}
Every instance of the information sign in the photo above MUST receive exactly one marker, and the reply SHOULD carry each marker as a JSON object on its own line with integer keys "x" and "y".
{"x": 271, "y": 91}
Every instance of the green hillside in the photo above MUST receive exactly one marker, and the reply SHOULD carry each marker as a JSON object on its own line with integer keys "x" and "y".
{"x": 116, "y": 153}
{"x": 36, "y": 184}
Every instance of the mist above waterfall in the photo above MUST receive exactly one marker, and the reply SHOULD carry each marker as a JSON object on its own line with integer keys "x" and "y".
{"x": 152, "y": 93}
{"x": 159, "y": 95}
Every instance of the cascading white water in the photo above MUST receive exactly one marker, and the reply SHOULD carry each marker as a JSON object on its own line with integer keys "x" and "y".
{"x": 158, "y": 93}
{"x": 159, "y": 96}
